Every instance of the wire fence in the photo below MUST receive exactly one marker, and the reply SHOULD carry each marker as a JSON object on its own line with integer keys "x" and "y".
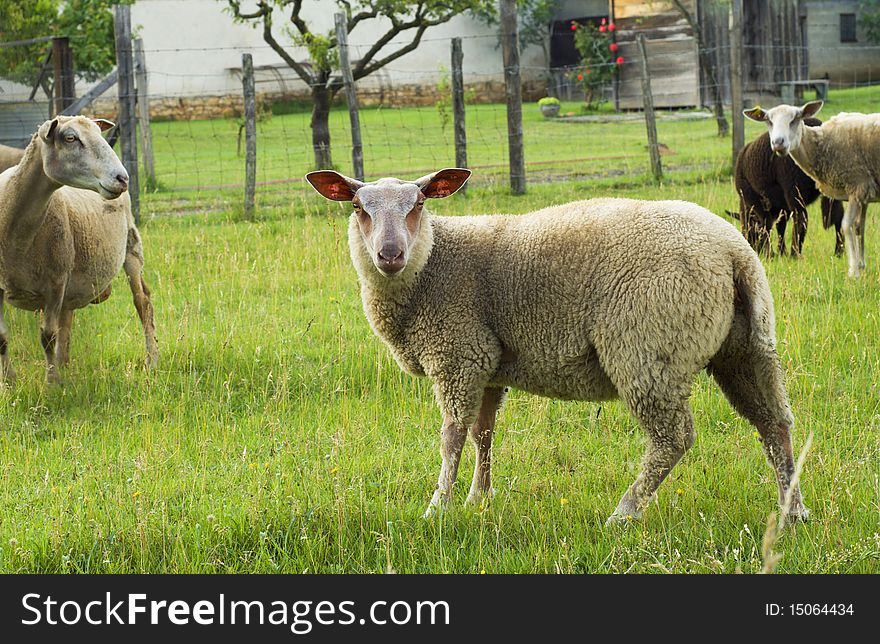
{"x": 406, "y": 116}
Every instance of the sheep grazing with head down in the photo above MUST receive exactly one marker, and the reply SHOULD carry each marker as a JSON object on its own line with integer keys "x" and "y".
{"x": 843, "y": 157}
{"x": 590, "y": 300}
{"x": 66, "y": 228}
{"x": 9, "y": 156}
{"x": 772, "y": 190}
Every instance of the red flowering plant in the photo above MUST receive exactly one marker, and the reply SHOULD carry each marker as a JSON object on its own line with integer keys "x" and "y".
{"x": 599, "y": 59}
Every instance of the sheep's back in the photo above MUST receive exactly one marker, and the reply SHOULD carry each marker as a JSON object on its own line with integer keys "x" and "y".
{"x": 567, "y": 280}
{"x": 848, "y": 159}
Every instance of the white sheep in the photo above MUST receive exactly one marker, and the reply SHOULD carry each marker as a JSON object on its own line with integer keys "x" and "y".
{"x": 842, "y": 155}
{"x": 590, "y": 300}
{"x": 66, "y": 228}
{"x": 9, "y": 156}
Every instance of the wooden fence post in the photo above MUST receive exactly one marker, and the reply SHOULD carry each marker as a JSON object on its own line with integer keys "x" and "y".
{"x": 458, "y": 107}
{"x": 650, "y": 121}
{"x": 736, "y": 80}
{"x": 125, "y": 92}
{"x": 250, "y": 133}
{"x": 62, "y": 65}
{"x": 143, "y": 103}
{"x": 357, "y": 148}
{"x": 513, "y": 90}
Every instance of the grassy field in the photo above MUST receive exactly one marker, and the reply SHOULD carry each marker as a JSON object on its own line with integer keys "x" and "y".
{"x": 197, "y": 157}
{"x": 278, "y": 434}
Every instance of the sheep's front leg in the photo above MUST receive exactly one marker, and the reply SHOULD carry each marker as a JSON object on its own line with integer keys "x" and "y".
{"x": 481, "y": 433}
{"x": 460, "y": 404}
{"x": 452, "y": 441}
{"x": 134, "y": 269}
{"x": 7, "y": 374}
{"x": 853, "y": 232}
{"x": 49, "y": 331}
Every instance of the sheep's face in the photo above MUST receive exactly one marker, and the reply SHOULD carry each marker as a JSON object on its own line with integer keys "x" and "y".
{"x": 75, "y": 154}
{"x": 388, "y": 211}
{"x": 785, "y": 123}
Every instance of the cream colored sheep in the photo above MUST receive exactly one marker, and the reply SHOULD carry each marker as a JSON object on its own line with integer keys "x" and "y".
{"x": 9, "y": 156}
{"x": 590, "y": 300}
{"x": 842, "y": 155}
{"x": 66, "y": 228}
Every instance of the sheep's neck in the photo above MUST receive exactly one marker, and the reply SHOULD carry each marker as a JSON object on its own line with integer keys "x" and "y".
{"x": 807, "y": 151}
{"x": 25, "y": 200}
{"x": 387, "y": 302}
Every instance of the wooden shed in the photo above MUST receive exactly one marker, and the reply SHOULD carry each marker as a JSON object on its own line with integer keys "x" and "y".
{"x": 672, "y": 53}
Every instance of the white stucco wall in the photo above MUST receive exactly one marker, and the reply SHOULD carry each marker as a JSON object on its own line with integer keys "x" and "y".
{"x": 193, "y": 46}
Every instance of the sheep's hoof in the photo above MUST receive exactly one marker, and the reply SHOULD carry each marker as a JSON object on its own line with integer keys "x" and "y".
{"x": 434, "y": 510}
{"x": 626, "y": 512}
{"x": 53, "y": 378}
{"x": 618, "y": 519}
{"x": 479, "y": 498}
{"x": 7, "y": 374}
{"x": 799, "y": 513}
{"x": 438, "y": 505}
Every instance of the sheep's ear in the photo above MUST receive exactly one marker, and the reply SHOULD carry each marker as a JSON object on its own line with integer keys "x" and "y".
{"x": 104, "y": 124}
{"x": 334, "y": 186}
{"x": 811, "y": 109}
{"x": 47, "y": 130}
{"x": 443, "y": 183}
{"x": 756, "y": 114}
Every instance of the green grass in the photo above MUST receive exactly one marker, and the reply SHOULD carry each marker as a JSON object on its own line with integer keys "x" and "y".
{"x": 278, "y": 434}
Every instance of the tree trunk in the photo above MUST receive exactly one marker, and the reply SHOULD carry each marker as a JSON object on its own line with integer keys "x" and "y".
{"x": 718, "y": 104}
{"x": 322, "y": 97}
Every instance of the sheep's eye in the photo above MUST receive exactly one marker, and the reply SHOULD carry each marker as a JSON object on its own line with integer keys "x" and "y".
{"x": 421, "y": 203}
{"x": 69, "y": 138}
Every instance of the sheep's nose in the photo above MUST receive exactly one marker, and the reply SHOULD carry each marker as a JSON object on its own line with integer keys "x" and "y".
{"x": 390, "y": 259}
{"x": 777, "y": 144}
{"x": 122, "y": 179}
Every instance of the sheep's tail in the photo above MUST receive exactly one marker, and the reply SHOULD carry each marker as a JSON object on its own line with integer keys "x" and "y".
{"x": 753, "y": 293}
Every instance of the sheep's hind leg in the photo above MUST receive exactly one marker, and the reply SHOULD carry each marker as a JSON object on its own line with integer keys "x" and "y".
{"x": 768, "y": 411}
{"x": 481, "y": 432}
{"x": 7, "y": 374}
{"x": 134, "y": 269}
{"x": 670, "y": 426}
{"x": 860, "y": 228}
{"x": 853, "y": 229}
{"x": 63, "y": 350}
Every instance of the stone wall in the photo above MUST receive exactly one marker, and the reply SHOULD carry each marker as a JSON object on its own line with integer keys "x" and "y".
{"x": 193, "y": 108}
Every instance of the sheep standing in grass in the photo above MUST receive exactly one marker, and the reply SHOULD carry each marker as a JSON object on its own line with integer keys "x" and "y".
{"x": 842, "y": 155}
{"x": 66, "y": 228}
{"x": 774, "y": 189}
{"x": 590, "y": 300}
{"x": 9, "y": 156}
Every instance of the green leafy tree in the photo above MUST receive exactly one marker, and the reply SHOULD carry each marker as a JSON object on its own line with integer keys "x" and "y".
{"x": 88, "y": 24}
{"x": 407, "y": 18}
{"x": 869, "y": 19}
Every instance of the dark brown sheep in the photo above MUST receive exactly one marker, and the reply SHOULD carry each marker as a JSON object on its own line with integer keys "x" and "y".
{"x": 773, "y": 189}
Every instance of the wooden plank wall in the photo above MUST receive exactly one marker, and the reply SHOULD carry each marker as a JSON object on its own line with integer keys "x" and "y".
{"x": 672, "y": 53}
